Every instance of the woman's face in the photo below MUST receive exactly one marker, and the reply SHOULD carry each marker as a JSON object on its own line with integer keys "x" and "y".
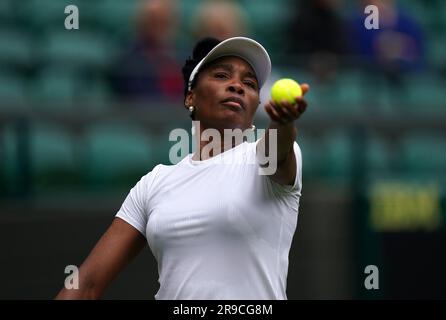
{"x": 226, "y": 94}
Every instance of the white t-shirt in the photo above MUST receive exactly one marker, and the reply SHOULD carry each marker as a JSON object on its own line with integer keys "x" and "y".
{"x": 217, "y": 230}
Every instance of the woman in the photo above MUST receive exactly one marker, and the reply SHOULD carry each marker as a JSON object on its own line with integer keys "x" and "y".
{"x": 217, "y": 231}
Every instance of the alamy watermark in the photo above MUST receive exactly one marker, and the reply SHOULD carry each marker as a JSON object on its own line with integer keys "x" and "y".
{"x": 372, "y": 20}
{"x": 372, "y": 280}
{"x": 266, "y": 155}
{"x": 72, "y": 280}
{"x": 72, "y": 20}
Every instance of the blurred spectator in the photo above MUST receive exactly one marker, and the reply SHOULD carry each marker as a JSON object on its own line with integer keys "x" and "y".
{"x": 148, "y": 69}
{"x": 318, "y": 32}
{"x": 395, "y": 48}
{"x": 220, "y": 19}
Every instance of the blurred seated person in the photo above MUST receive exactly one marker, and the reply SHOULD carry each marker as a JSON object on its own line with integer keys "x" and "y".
{"x": 319, "y": 34}
{"x": 394, "y": 49}
{"x": 220, "y": 19}
{"x": 148, "y": 69}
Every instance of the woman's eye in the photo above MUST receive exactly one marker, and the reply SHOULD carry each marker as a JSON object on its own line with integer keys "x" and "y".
{"x": 221, "y": 75}
{"x": 251, "y": 84}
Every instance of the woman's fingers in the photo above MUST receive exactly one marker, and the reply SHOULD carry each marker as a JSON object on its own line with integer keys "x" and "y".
{"x": 272, "y": 113}
{"x": 305, "y": 88}
{"x": 285, "y": 111}
{"x": 301, "y": 105}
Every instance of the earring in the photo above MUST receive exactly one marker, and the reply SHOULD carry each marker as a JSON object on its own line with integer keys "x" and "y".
{"x": 191, "y": 109}
{"x": 253, "y": 127}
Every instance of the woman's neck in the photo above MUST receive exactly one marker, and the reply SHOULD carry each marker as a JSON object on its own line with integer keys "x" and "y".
{"x": 208, "y": 149}
{"x": 211, "y": 141}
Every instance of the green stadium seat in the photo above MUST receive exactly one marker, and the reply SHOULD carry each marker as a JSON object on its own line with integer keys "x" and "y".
{"x": 431, "y": 14}
{"x": 382, "y": 97}
{"x": 378, "y": 156}
{"x": 91, "y": 14}
{"x": 346, "y": 93}
{"x": 312, "y": 157}
{"x": 13, "y": 91}
{"x": 61, "y": 90}
{"x": 57, "y": 89}
{"x": 436, "y": 50}
{"x": 419, "y": 10}
{"x": 389, "y": 100}
{"x": 15, "y": 48}
{"x": 77, "y": 49}
{"x": 337, "y": 156}
{"x": 188, "y": 9}
{"x": 43, "y": 14}
{"x": 117, "y": 154}
{"x": 424, "y": 155}
{"x": 8, "y": 159}
{"x": 54, "y": 158}
{"x": 335, "y": 98}
{"x": 6, "y": 9}
{"x": 438, "y": 17}
{"x": 96, "y": 95}
{"x": 118, "y": 16}
{"x": 266, "y": 14}
{"x": 269, "y": 20}
{"x": 332, "y": 156}
{"x": 318, "y": 97}
{"x": 426, "y": 94}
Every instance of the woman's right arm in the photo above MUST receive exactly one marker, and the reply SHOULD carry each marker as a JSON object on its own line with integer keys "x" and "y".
{"x": 116, "y": 248}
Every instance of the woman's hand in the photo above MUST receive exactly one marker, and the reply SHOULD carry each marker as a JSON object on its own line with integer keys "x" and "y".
{"x": 286, "y": 112}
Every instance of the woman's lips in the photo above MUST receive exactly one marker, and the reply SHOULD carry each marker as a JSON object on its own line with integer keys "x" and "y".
{"x": 232, "y": 104}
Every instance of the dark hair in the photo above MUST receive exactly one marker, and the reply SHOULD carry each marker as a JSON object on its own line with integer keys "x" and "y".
{"x": 201, "y": 49}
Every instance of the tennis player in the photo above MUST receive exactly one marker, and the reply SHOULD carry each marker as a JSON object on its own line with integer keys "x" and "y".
{"x": 217, "y": 230}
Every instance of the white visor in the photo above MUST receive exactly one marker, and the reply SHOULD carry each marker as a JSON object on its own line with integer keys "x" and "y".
{"x": 249, "y": 50}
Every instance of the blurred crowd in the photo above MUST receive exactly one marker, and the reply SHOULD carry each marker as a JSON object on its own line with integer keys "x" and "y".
{"x": 149, "y": 68}
{"x": 329, "y": 33}
{"x": 133, "y": 51}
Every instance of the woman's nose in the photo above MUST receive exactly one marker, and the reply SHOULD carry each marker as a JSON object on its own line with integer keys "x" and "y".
{"x": 236, "y": 87}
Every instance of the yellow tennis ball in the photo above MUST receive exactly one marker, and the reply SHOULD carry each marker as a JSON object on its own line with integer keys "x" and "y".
{"x": 285, "y": 89}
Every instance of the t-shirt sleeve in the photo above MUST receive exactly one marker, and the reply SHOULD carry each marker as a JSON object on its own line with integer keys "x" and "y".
{"x": 134, "y": 209}
{"x": 296, "y": 187}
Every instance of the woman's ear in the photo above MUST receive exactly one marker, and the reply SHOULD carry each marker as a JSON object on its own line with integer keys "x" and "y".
{"x": 189, "y": 100}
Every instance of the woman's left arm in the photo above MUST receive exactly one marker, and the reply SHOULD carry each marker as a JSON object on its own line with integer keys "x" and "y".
{"x": 283, "y": 117}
